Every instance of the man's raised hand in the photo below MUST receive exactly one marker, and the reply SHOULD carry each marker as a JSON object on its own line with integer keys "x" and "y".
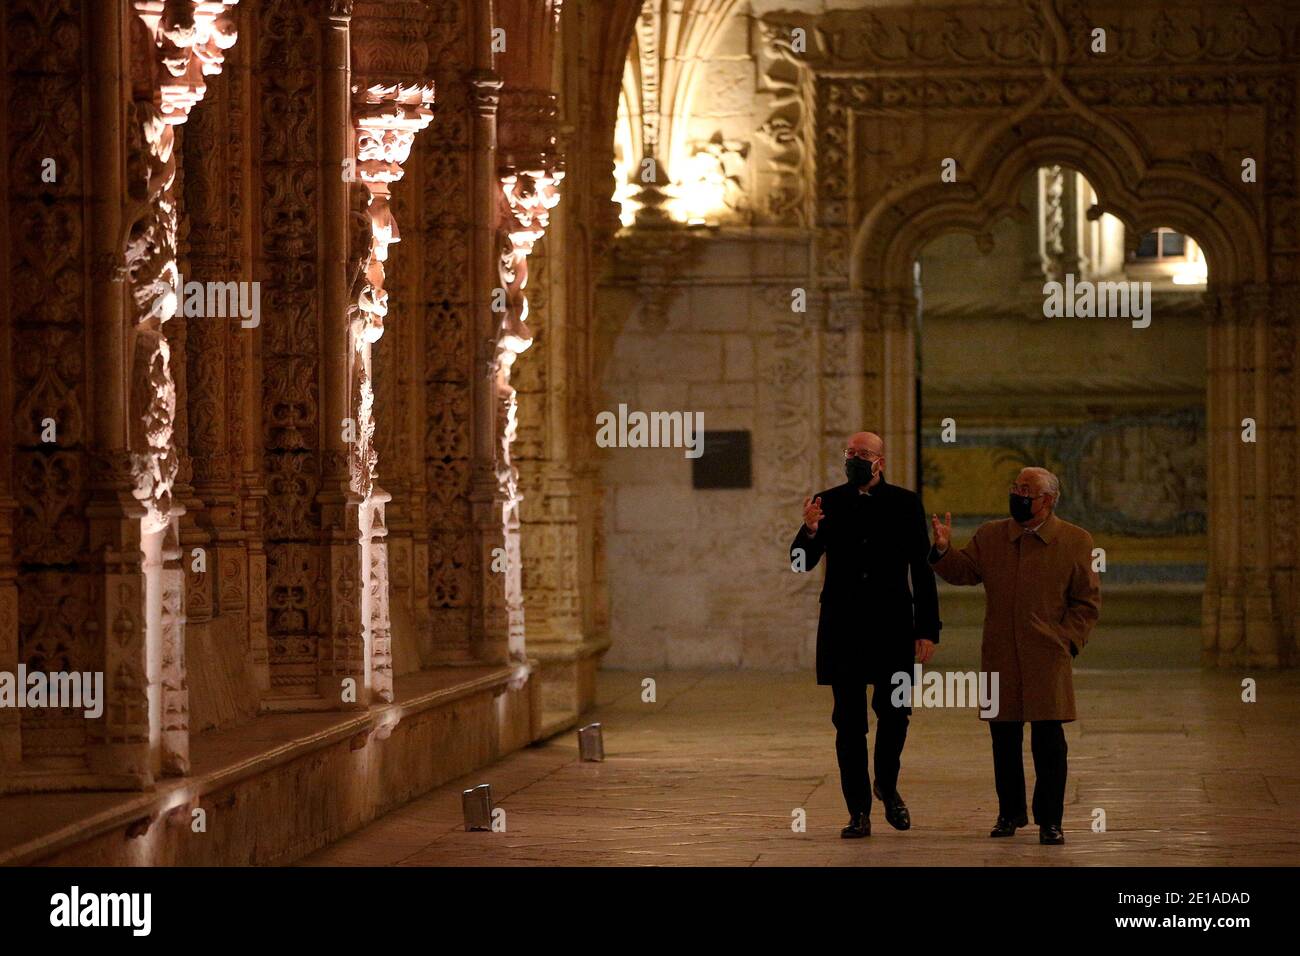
{"x": 942, "y": 532}
{"x": 812, "y": 513}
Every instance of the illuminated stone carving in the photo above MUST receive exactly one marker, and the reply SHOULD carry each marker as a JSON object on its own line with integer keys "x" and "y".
{"x": 386, "y": 118}
{"x": 523, "y": 215}
{"x": 189, "y": 43}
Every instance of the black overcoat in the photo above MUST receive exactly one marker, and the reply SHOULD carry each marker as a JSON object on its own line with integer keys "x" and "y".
{"x": 870, "y": 618}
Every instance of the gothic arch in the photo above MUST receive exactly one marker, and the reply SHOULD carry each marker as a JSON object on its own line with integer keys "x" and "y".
{"x": 1250, "y": 346}
{"x": 900, "y": 224}
{"x": 899, "y": 90}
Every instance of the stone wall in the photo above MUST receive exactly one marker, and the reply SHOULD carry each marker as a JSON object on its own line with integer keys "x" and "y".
{"x": 700, "y": 577}
{"x": 854, "y": 116}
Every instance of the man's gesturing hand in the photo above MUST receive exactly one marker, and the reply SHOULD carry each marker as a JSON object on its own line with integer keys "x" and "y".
{"x": 942, "y": 532}
{"x": 812, "y": 513}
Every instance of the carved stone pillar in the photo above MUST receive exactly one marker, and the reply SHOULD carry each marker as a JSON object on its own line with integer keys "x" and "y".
{"x": 295, "y": 466}
{"x": 1263, "y": 635}
{"x": 1284, "y": 397}
{"x": 1251, "y": 483}
{"x": 386, "y": 117}
{"x": 522, "y": 217}
{"x": 529, "y": 173}
{"x": 117, "y": 745}
{"x": 146, "y": 730}
{"x": 487, "y": 626}
{"x": 391, "y": 44}
{"x": 1221, "y": 608}
{"x": 341, "y": 650}
{"x": 1051, "y": 224}
{"x": 11, "y": 745}
{"x": 550, "y": 540}
{"x": 220, "y": 531}
{"x": 1059, "y": 223}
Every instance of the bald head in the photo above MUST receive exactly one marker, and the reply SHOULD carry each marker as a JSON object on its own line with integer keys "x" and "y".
{"x": 867, "y": 442}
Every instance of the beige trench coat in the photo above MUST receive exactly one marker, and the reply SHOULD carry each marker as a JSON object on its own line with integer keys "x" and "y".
{"x": 1041, "y": 596}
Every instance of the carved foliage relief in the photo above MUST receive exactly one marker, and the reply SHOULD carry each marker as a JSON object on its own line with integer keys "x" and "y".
{"x": 189, "y": 41}
{"x": 445, "y": 219}
{"x": 46, "y": 235}
{"x": 288, "y": 81}
{"x": 386, "y": 117}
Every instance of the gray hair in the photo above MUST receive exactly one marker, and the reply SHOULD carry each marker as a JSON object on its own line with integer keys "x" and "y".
{"x": 1053, "y": 483}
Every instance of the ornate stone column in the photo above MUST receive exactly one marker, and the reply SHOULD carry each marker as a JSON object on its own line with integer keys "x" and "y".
{"x": 295, "y": 468}
{"x": 386, "y": 117}
{"x": 1251, "y": 483}
{"x": 527, "y": 196}
{"x": 1284, "y": 396}
{"x": 1221, "y": 608}
{"x": 224, "y": 628}
{"x": 147, "y": 724}
{"x": 529, "y": 173}
{"x": 341, "y": 652}
{"x": 11, "y": 744}
{"x": 1263, "y": 635}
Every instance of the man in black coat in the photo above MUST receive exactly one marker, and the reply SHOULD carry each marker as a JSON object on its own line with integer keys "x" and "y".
{"x": 872, "y": 625}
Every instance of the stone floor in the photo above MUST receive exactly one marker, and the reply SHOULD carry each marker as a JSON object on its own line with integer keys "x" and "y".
{"x": 711, "y": 773}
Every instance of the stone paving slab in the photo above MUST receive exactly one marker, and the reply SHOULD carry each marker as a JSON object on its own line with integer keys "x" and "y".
{"x": 1186, "y": 773}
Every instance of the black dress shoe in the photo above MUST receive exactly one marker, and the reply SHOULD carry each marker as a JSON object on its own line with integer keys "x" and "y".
{"x": 1006, "y": 827}
{"x": 895, "y": 809}
{"x": 1051, "y": 835}
{"x": 859, "y": 826}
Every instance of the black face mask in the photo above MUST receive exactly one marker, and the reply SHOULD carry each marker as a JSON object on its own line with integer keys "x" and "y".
{"x": 859, "y": 472}
{"x": 1022, "y": 507}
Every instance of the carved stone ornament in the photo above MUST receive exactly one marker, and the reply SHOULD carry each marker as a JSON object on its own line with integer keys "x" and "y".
{"x": 190, "y": 38}
{"x": 385, "y": 117}
{"x": 524, "y": 207}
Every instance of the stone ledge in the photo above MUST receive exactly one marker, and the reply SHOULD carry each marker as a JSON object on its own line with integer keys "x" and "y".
{"x": 547, "y": 651}
{"x": 34, "y": 827}
{"x": 568, "y": 681}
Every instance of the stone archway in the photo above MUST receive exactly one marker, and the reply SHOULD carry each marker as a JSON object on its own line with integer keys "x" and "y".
{"x": 1000, "y": 103}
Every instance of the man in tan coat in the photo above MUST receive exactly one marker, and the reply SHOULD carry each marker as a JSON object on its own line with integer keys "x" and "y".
{"x": 1042, "y": 601}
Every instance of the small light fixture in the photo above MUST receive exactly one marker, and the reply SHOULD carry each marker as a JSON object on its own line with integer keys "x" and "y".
{"x": 591, "y": 744}
{"x": 477, "y": 803}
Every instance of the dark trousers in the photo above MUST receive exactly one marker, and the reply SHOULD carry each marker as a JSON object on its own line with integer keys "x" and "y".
{"x": 850, "y": 720}
{"x": 1047, "y": 741}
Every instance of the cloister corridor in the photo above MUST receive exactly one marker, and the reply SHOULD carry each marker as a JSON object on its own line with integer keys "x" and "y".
{"x": 710, "y": 774}
{"x": 391, "y": 389}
